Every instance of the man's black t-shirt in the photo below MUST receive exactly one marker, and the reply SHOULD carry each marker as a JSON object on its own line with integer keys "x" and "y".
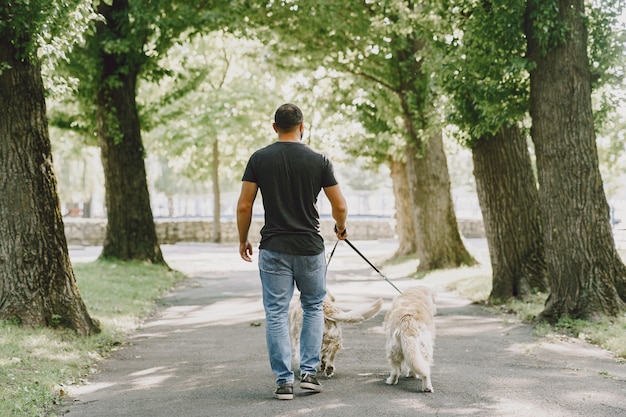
{"x": 290, "y": 176}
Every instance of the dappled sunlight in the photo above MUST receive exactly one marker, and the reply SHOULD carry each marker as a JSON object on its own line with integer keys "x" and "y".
{"x": 469, "y": 325}
{"x": 226, "y": 312}
{"x": 308, "y": 410}
{"x": 205, "y": 349}
{"x": 522, "y": 408}
{"x": 150, "y": 378}
{"x": 120, "y": 323}
{"x": 87, "y": 388}
{"x": 185, "y": 258}
{"x": 597, "y": 397}
{"x": 145, "y": 379}
{"x": 63, "y": 356}
{"x": 414, "y": 404}
{"x": 574, "y": 348}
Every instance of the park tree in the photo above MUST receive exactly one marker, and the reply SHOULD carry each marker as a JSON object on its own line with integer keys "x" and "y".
{"x": 37, "y": 281}
{"x": 385, "y": 46}
{"x": 485, "y": 77}
{"x": 384, "y": 142}
{"x": 587, "y": 276}
{"x": 123, "y": 47}
{"x": 207, "y": 117}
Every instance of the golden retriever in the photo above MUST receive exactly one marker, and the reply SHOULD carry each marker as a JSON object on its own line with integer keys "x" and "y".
{"x": 332, "y": 338}
{"x": 410, "y": 331}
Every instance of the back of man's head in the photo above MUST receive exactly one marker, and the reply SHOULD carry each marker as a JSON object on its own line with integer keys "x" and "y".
{"x": 287, "y": 117}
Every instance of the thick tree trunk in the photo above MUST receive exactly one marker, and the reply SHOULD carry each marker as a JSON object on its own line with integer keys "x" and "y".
{"x": 509, "y": 202}
{"x": 586, "y": 274}
{"x": 217, "y": 204}
{"x": 37, "y": 282}
{"x": 404, "y": 209}
{"x": 438, "y": 241}
{"x": 131, "y": 233}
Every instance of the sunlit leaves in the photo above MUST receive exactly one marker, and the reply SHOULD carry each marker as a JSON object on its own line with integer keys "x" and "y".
{"x": 484, "y": 70}
{"x": 44, "y": 27}
{"x": 221, "y": 91}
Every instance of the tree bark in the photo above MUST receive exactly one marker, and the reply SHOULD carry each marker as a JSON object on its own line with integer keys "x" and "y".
{"x": 37, "y": 282}
{"x": 404, "y": 210}
{"x": 586, "y": 273}
{"x": 131, "y": 233}
{"x": 437, "y": 238}
{"x": 438, "y": 241}
{"x": 509, "y": 203}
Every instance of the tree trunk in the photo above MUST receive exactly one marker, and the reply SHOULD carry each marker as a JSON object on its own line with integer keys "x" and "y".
{"x": 404, "y": 209}
{"x": 217, "y": 204}
{"x": 438, "y": 241}
{"x": 586, "y": 274}
{"x": 509, "y": 202}
{"x": 37, "y": 282}
{"x": 131, "y": 233}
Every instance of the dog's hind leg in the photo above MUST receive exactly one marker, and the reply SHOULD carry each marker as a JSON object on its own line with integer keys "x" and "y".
{"x": 394, "y": 354}
{"x": 329, "y": 361}
{"x": 427, "y": 386}
{"x": 392, "y": 379}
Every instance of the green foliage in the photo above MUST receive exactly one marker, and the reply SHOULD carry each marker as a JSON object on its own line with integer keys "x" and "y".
{"x": 43, "y": 28}
{"x": 485, "y": 73}
{"x": 383, "y": 45}
{"x": 607, "y": 54}
{"x": 132, "y": 39}
{"x": 483, "y": 70}
{"x": 548, "y": 28}
{"x": 223, "y": 92}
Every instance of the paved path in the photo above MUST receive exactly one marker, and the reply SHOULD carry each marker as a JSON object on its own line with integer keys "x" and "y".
{"x": 203, "y": 354}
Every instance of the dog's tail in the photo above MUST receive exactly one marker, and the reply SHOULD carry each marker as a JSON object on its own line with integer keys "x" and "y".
{"x": 357, "y": 315}
{"x": 417, "y": 345}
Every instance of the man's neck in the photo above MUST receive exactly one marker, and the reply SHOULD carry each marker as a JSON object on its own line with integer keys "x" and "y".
{"x": 289, "y": 137}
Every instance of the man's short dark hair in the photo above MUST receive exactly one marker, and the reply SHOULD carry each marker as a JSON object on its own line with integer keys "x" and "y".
{"x": 287, "y": 117}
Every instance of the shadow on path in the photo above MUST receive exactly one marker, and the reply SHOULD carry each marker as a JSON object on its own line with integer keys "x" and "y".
{"x": 203, "y": 354}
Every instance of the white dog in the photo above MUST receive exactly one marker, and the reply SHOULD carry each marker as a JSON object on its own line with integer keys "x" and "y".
{"x": 410, "y": 330}
{"x": 332, "y": 339}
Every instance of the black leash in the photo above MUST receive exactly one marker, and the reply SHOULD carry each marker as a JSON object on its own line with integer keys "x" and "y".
{"x": 372, "y": 265}
{"x": 331, "y": 254}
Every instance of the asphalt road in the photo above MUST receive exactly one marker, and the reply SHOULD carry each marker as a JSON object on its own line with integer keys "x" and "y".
{"x": 203, "y": 353}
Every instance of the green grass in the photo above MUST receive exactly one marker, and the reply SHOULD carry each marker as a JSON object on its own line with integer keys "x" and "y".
{"x": 37, "y": 364}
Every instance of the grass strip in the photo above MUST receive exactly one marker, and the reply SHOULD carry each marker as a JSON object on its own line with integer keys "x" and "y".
{"x": 37, "y": 364}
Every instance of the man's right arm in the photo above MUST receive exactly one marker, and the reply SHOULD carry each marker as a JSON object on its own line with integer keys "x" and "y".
{"x": 244, "y": 217}
{"x": 339, "y": 210}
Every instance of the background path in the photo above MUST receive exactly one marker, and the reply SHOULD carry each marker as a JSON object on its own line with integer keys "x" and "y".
{"x": 203, "y": 353}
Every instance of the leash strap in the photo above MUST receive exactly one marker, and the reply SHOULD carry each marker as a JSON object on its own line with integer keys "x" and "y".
{"x": 370, "y": 264}
{"x": 331, "y": 254}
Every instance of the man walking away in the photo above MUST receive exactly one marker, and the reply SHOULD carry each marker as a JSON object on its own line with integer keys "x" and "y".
{"x": 290, "y": 176}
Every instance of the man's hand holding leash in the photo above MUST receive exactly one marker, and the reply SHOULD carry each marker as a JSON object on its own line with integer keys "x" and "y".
{"x": 342, "y": 233}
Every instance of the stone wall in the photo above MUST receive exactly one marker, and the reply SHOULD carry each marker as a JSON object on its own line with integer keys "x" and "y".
{"x": 91, "y": 232}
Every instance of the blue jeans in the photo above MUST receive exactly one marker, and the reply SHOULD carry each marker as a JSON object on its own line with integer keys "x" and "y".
{"x": 279, "y": 272}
